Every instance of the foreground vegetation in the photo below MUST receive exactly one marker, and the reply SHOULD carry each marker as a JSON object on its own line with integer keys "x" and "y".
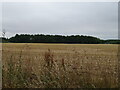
{"x": 59, "y": 66}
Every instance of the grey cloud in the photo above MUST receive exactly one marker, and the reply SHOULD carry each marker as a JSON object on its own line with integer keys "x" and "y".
{"x": 91, "y": 18}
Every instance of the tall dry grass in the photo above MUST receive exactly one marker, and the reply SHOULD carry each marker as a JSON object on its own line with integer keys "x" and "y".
{"x": 54, "y": 69}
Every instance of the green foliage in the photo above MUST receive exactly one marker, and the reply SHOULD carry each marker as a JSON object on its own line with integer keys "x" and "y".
{"x": 112, "y": 41}
{"x": 40, "y": 38}
{"x": 4, "y": 40}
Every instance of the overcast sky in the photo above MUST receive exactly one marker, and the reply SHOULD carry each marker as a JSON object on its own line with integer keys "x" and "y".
{"x": 98, "y": 19}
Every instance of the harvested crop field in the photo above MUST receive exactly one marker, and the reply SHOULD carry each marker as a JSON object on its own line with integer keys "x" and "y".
{"x": 27, "y": 65}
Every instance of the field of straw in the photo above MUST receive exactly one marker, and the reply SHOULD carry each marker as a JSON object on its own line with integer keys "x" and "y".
{"x": 28, "y": 65}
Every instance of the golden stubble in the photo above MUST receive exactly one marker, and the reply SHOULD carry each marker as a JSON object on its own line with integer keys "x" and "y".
{"x": 60, "y": 65}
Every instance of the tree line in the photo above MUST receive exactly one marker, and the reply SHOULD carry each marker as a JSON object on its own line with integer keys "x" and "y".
{"x": 41, "y": 38}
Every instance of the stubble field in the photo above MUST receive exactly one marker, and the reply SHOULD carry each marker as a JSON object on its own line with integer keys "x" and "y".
{"x": 28, "y": 65}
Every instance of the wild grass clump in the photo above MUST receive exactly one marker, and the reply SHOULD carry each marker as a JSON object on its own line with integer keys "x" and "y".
{"x": 13, "y": 75}
{"x": 18, "y": 74}
{"x": 49, "y": 59}
{"x": 57, "y": 76}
